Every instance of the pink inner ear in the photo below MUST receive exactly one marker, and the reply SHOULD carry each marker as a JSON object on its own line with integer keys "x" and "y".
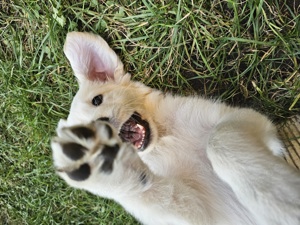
{"x": 98, "y": 70}
{"x": 91, "y": 58}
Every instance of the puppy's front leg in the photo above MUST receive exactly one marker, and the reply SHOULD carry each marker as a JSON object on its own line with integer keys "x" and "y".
{"x": 92, "y": 157}
{"x": 241, "y": 154}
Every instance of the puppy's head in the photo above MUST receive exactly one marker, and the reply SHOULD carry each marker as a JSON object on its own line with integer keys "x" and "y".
{"x": 106, "y": 91}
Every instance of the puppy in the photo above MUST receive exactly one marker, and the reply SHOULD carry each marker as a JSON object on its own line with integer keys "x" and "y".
{"x": 169, "y": 160}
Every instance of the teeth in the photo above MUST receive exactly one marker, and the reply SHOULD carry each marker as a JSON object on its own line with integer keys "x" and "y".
{"x": 134, "y": 133}
{"x": 139, "y": 126}
{"x": 141, "y": 141}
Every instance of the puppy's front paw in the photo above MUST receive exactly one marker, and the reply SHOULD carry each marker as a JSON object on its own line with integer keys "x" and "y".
{"x": 80, "y": 149}
{"x": 93, "y": 157}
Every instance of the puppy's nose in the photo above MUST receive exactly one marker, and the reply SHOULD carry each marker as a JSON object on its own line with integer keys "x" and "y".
{"x": 104, "y": 119}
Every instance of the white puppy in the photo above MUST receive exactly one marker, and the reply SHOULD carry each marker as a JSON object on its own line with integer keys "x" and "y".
{"x": 169, "y": 160}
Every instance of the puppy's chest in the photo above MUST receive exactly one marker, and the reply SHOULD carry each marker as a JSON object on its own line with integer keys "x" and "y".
{"x": 177, "y": 156}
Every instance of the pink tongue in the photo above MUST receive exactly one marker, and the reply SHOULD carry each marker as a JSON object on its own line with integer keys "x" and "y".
{"x": 136, "y": 137}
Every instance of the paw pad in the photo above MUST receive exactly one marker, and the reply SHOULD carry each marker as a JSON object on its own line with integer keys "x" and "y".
{"x": 83, "y": 132}
{"x": 109, "y": 153}
{"x": 80, "y": 174}
{"x": 73, "y": 150}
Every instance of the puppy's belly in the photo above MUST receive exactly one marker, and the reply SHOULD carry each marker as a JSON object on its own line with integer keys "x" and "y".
{"x": 197, "y": 172}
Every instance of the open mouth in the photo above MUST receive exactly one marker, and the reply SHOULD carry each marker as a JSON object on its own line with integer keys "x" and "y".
{"x": 136, "y": 131}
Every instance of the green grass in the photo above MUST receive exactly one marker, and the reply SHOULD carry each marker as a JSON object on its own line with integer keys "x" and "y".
{"x": 246, "y": 53}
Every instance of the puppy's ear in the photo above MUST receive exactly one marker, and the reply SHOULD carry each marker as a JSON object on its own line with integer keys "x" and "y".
{"x": 91, "y": 58}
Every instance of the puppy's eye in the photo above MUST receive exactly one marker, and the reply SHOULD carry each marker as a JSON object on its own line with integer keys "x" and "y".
{"x": 97, "y": 100}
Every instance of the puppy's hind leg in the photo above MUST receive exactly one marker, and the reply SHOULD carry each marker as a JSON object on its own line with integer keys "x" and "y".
{"x": 266, "y": 185}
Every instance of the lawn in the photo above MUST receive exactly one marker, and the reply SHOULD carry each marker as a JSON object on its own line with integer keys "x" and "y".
{"x": 244, "y": 52}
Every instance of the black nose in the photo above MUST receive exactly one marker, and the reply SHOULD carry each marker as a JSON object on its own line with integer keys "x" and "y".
{"x": 104, "y": 119}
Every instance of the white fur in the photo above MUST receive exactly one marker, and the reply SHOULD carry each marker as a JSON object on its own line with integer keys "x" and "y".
{"x": 207, "y": 164}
